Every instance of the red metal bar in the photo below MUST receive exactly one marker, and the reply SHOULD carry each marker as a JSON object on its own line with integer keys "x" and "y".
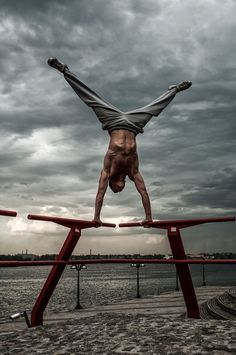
{"x": 173, "y": 229}
{"x": 8, "y": 213}
{"x": 184, "y": 274}
{"x": 73, "y": 236}
{"x": 132, "y": 224}
{"x": 181, "y": 223}
{"x": 76, "y": 225}
{"x": 53, "y": 278}
{"x": 69, "y": 222}
{"x": 16, "y": 263}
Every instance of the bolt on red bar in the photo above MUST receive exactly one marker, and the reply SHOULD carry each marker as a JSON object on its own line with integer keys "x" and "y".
{"x": 8, "y": 213}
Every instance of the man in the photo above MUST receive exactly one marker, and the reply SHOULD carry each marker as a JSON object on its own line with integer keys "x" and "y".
{"x": 121, "y": 159}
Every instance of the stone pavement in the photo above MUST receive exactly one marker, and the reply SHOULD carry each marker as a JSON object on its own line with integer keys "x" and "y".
{"x": 141, "y": 326}
{"x": 114, "y": 333}
{"x": 168, "y": 305}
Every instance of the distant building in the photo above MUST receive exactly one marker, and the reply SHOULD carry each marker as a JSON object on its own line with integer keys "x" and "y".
{"x": 195, "y": 256}
{"x": 26, "y": 256}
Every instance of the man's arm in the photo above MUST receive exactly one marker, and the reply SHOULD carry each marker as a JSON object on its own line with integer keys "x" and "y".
{"x": 102, "y": 187}
{"x": 140, "y": 186}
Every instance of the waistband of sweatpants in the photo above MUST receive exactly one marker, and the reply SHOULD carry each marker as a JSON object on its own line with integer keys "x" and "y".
{"x": 135, "y": 131}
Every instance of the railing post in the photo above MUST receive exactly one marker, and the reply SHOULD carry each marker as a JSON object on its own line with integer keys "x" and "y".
{"x": 203, "y": 275}
{"x": 78, "y": 268}
{"x": 137, "y": 267}
{"x": 176, "y": 281}
{"x": 78, "y": 305}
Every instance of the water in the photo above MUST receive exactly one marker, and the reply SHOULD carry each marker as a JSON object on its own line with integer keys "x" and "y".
{"x": 99, "y": 284}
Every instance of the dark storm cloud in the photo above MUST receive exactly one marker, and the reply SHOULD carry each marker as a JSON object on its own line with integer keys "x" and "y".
{"x": 216, "y": 191}
{"x": 52, "y": 145}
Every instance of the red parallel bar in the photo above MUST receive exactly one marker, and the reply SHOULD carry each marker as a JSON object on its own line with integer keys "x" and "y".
{"x": 133, "y": 224}
{"x": 179, "y": 222}
{"x": 15, "y": 263}
{"x": 69, "y": 222}
{"x": 8, "y": 213}
{"x": 75, "y": 226}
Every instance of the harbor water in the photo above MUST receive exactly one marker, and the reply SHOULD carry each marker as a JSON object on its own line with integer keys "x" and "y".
{"x": 99, "y": 284}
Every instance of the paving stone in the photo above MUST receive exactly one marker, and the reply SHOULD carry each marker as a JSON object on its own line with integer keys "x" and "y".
{"x": 121, "y": 333}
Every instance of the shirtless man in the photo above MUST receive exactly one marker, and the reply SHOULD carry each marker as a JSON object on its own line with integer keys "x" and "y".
{"x": 121, "y": 159}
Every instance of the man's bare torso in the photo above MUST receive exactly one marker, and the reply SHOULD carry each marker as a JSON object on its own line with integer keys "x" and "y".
{"x": 121, "y": 157}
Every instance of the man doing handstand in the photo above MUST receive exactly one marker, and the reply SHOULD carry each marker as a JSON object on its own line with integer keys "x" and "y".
{"x": 121, "y": 159}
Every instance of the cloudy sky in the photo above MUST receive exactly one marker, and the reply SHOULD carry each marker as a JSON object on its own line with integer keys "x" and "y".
{"x": 52, "y": 145}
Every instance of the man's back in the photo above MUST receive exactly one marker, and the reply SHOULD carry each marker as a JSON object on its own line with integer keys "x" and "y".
{"x": 121, "y": 156}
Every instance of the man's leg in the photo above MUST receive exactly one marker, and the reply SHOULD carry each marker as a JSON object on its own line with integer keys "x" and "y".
{"x": 142, "y": 116}
{"x": 104, "y": 111}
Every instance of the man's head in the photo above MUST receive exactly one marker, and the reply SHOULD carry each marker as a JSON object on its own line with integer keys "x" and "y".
{"x": 117, "y": 183}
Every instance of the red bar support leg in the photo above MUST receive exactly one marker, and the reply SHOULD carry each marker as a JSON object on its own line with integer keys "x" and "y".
{"x": 53, "y": 277}
{"x": 183, "y": 272}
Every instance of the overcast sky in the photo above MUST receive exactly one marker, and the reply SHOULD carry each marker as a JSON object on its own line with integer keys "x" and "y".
{"x": 52, "y": 145}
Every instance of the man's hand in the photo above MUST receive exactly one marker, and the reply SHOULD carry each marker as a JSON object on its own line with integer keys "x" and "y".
{"x": 145, "y": 222}
{"x": 98, "y": 222}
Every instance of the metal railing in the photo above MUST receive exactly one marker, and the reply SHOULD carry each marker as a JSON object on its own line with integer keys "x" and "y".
{"x": 75, "y": 226}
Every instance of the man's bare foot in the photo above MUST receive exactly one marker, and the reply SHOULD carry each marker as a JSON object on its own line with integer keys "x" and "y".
{"x": 183, "y": 86}
{"x": 54, "y": 63}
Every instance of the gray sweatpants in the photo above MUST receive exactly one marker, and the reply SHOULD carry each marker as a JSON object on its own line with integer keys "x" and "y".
{"x": 111, "y": 117}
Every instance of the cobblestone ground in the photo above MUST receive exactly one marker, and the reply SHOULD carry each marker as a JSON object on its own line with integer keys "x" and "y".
{"x": 123, "y": 334}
